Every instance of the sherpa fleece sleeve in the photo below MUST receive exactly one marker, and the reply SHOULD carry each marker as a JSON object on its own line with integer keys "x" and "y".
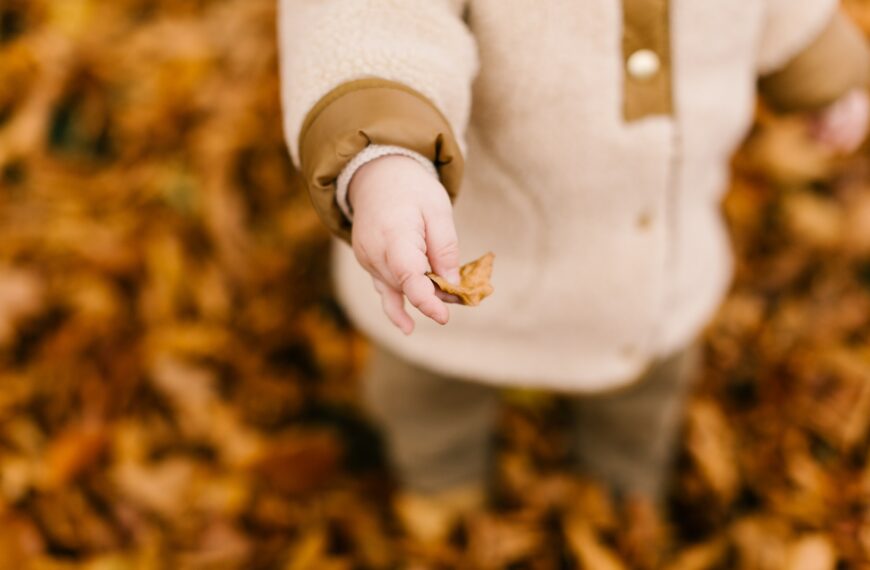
{"x": 373, "y": 72}
{"x": 811, "y": 54}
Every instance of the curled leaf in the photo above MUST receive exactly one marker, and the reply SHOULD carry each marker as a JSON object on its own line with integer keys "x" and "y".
{"x": 474, "y": 281}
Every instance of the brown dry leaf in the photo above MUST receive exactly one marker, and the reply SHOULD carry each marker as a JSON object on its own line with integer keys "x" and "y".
{"x": 18, "y": 474}
{"x": 587, "y": 548}
{"x": 645, "y": 537}
{"x": 299, "y": 461}
{"x": 365, "y": 531}
{"x": 474, "y": 281}
{"x": 21, "y": 295}
{"x": 857, "y": 223}
{"x": 427, "y": 521}
{"x": 809, "y": 490}
{"x": 863, "y": 546}
{"x": 499, "y": 540}
{"x": 835, "y": 396}
{"x": 859, "y": 11}
{"x": 784, "y": 151}
{"x": 812, "y": 552}
{"x": 706, "y": 556}
{"x": 310, "y": 552}
{"x": 20, "y": 540}
{"x": 17, "y": 389}
{"x": 817, "y": 221}
{"x": 72, "y": 452}
{"x": 711, "y": 446}
{"x": 69, "y": 520}
{"x": 202, "y": 414}
{"x": 220, "y": 546}
{"x": 160, "y": 487}
{"x": 761, "y": 543}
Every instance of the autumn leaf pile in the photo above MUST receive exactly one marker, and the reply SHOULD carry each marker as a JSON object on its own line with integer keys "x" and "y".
{"x": 178, "y": 387}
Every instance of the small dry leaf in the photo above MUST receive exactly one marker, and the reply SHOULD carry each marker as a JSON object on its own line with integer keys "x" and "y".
{"x": 761, "y": 542}
{"x": 474, "y": 285}
{"x": 712, "y": 449}
{"x": 500, "y": 540}
{"x": 311, "y": 552}
{"x": 429, "y": 519}
{"x": 299, "y": 461}
{"x": 586, "y": 546}
{"x": 643, "y": 526}
{"x": 705, "y": 556}
{"x": 21, "y": 295}
{"x": 812, "y": 552}
{"x": 72, "y": 452}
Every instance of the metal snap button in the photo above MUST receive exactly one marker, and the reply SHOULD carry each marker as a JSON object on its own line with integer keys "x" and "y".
{"x": 643, "y": 64}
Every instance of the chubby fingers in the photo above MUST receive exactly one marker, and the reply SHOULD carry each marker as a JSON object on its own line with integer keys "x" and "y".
{"x": 393, "y": 303}
{"x": 843, "y": 126}
{"x": 407, "y": 265}
{"x": 857, "y": 112}
{"x": 421, "y": 292}
{"x": 398, "y": 262}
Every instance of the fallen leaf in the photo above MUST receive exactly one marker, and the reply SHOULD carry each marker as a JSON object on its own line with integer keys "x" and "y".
{"x": 812, "y": 552}
{"x": 706, "y": 556}
{"x": 474, "y": 281}
{"x": 711, "y": 446}
{"x": 72, "y": 452}
{"x": 588, "y": 549}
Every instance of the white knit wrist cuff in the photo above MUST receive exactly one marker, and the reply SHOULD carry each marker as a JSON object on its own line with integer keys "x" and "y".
{"x": 365, "y": 156}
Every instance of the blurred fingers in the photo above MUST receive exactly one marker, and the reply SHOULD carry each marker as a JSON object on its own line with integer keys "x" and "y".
{"x": 408, "y": 266}
{"x": 393, "y": 303}
{"x": 843, "y": 126}
{"x": 420, "y": 291}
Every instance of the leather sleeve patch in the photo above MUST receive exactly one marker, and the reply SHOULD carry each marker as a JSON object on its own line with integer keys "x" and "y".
{"x": 364, "y": 112}
{"x": 834, "y": 64}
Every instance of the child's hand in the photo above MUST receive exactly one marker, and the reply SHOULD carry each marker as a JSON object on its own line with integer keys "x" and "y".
{"x": 402, "y": 227}
{"x": 843, "y": 125}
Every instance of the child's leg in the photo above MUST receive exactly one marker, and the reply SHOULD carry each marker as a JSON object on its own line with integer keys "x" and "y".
{"x": 438, "y": 430}
{"x": 439, "y": 433}
{"x": 627, "y": 438}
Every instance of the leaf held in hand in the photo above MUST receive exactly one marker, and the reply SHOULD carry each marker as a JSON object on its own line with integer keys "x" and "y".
{"x": 474, "y": 281}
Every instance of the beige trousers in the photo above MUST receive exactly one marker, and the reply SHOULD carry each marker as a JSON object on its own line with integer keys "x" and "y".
{"x": 438, "y": 429}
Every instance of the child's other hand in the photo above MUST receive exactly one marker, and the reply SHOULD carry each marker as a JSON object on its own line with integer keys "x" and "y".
{"x": 402, "y": 227}
{"x": 842, "y": 126}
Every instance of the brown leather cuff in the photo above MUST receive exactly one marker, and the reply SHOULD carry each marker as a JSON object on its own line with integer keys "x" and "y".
{"x": 834, "y": 64}
{"x": 371, "y": 111}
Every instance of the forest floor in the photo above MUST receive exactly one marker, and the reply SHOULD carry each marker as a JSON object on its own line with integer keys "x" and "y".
{"x": 178, "y": 387}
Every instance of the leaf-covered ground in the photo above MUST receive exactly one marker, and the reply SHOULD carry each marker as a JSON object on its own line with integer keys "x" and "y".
{"x": 178, "y": 388}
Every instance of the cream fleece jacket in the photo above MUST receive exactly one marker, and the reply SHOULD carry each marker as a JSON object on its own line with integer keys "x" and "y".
{"x": 611, "y": 249}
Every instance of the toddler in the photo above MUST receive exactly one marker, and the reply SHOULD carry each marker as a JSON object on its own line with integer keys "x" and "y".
{"x": 586, "y": 143}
